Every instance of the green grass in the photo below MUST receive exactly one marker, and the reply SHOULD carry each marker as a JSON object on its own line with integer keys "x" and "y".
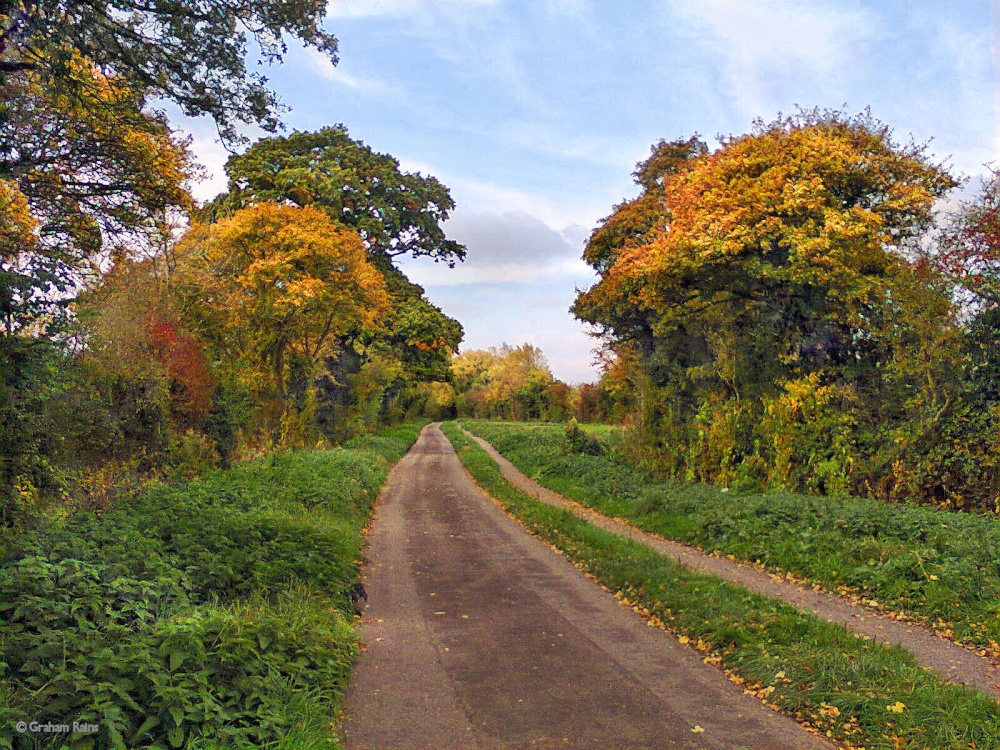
{"x": 819, "y": 673}
{"x": 212, "y": 613}
{"x": 939, "y": 567}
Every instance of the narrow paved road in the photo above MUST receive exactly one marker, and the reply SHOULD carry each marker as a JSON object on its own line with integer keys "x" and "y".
{"x": 480, "y": 636}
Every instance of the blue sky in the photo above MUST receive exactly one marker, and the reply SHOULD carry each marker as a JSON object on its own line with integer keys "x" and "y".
{"x": 535, "y": 113}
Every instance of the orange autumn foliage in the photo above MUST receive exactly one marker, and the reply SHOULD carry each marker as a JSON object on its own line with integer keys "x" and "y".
{"x": 819, "y": 203}
{"x": 184, "y": 361}
{"x": 276, "y": 287}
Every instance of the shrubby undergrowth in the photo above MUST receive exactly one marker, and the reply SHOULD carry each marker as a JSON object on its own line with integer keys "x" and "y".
{"x": 216, "y": 612}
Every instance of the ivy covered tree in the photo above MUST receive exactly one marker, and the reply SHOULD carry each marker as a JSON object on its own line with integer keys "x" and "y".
{"x": 792, "y": 232}
{"x": 765, "y": 295}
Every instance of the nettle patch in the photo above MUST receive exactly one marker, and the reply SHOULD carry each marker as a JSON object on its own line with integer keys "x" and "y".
{"x": 217, "y": 612}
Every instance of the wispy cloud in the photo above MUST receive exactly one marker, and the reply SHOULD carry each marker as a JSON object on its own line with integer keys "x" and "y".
{"x": 322, "y": 65}
{"x": 207, "y": 149}
{"x": 480, "y": 195}
{"x": 761, "y": 40}
{"x": 578, "y": 213}
{"x": 572, "y": 144}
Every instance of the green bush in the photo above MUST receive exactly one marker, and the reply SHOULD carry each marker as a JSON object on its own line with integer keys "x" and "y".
{"x": 579, "y": 441}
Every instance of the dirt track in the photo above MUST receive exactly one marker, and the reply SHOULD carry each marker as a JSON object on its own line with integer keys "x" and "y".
{"x": 480, "y": 636}
{"x": 950, "y": 660}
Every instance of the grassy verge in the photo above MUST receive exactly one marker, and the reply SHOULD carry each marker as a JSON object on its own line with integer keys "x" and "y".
{"x": 917, "y": 563}
{"x": 859, "y": 693}
{"x": 214, "y": 613}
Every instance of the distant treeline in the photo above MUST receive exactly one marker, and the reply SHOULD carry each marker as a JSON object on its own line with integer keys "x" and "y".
{"x": 510, "y": 382}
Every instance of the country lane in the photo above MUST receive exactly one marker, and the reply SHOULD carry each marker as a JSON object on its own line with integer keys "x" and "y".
{"x": 480, "y": 636}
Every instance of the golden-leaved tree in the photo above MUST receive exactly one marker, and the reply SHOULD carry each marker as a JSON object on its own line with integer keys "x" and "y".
{"x": 765, "y": 289}
{"x": 273, "y": 289}
{"x": 508, "y": 382}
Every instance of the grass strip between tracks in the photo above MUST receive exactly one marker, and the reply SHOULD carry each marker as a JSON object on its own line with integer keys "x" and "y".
{"x": 859, "y": 693}
{"x": 913, "y": 563}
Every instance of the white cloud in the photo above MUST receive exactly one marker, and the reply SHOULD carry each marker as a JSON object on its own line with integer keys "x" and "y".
{"x": 512, "y": 236}
{"x": 484, "y": 196}
{"x": 322, "y": 65}
{"x": 509, "y": 248}
{"x": 208, "y": 151}
{"x": 760, "y": 40}
{"x": 429, "y": 275}
{"x": 577, "y": 215}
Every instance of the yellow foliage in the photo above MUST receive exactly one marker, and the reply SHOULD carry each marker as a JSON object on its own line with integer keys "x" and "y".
{"x": 17, "y": 225}
{"x": 276, "y": 284}
{"x": 815, "y": 204}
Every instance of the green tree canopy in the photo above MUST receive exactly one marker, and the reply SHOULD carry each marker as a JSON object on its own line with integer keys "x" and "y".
{"x": 419, "y": 335}
{"x": 190, "y": 52}
{"x": 395, "y": 212}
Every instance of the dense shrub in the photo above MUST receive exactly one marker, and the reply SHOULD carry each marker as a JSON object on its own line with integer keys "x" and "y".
{"x": 579, "y": 441}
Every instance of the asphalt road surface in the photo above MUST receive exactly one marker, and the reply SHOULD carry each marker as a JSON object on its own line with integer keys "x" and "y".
{"x": 480, "y": 636}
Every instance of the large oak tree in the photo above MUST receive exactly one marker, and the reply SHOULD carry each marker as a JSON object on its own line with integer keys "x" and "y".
{"x": 395, "y": 213}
